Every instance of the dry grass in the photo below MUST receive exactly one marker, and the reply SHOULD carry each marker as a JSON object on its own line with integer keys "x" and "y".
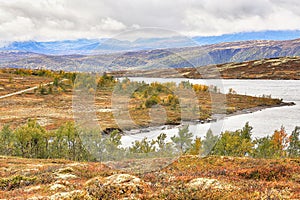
{"x": 10, "y": 83}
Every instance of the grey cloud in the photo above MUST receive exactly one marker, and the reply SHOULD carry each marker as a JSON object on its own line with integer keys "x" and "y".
{"x": 237, "y": 9}
{"x": 291, "y": 5}
{"x": 70, "y": 19}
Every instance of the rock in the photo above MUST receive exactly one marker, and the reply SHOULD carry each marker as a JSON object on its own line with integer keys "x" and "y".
{"x": 63, "y": 182}
{"x": 116, "y": 186}
{"x": 107, "y": 131}
{"x": 57, "y": 186}
{"x": 123, "y": 179}
{"x": 65, "y": 176}
{"x": 208, "y": 183}
{"x": 38, "y": 198}
{"x": 30, "y": 189}
{"x": 65, "y": 173}
{"x": 65, "y": 195}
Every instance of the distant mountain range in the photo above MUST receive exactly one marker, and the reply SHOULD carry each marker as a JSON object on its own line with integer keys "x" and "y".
{"x": 97, "y": 46}
{"x": 284, "y": 68}
{"x": 160, "y": 53}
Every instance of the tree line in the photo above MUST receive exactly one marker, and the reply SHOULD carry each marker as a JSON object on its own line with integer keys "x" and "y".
{"x": 33, "y": 141}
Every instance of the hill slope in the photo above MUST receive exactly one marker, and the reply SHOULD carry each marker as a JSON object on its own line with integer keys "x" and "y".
{"x": 158, "y": 58}
{"x": 272, "y": 68}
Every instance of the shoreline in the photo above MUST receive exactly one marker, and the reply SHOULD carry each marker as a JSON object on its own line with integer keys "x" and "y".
{"x": 259, "y": 108}
{"x": 117, "y": 75}
{"x": 209, "y": 120}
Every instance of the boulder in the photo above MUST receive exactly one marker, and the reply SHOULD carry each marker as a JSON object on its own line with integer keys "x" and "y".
{"x": 116, "y": 186}
{"x": 209, "y": 183}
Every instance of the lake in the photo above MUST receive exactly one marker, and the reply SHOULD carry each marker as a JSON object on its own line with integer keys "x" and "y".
{"x": 264, "y": 122}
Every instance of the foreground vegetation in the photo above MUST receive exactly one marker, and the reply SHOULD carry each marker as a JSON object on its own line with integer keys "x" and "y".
{"x": 189, "y": 177}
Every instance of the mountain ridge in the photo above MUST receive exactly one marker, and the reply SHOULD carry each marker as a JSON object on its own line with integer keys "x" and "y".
{"x": 93, "y": 46}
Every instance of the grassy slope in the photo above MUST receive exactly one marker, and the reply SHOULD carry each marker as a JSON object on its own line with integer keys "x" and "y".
{"x": 50, "y": 110}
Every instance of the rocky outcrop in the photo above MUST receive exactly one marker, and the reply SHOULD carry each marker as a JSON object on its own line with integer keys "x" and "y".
{"x": 209, "y": 183}
{"x": 116, "y": 186}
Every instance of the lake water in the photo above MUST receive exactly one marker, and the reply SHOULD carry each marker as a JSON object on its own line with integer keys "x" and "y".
{"x": 264, "y": 122}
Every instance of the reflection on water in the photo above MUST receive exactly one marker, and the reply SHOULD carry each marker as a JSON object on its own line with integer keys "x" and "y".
{"x": 264, "y": 122}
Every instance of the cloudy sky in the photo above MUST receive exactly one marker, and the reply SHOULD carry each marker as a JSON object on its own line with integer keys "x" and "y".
{"x": 46, "y": 20}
